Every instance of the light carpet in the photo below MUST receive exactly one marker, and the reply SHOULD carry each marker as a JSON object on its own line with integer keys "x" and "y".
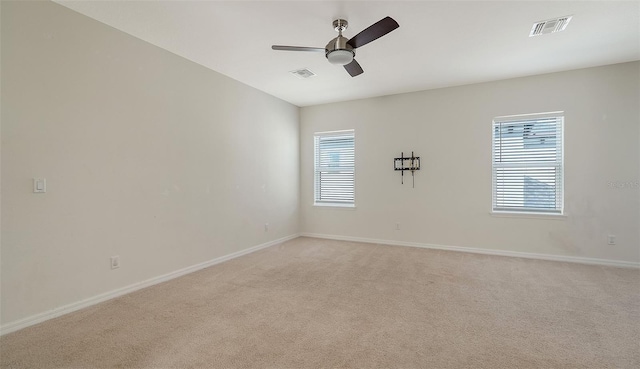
{"x": 311, "y": 303}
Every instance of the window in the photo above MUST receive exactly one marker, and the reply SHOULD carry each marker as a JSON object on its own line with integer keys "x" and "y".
{"x": 334, "y": 167}
{"x": 528, "y": 163}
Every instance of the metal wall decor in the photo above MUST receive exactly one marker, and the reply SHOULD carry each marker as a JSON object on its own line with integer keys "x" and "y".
{"x": 411, "y": 163}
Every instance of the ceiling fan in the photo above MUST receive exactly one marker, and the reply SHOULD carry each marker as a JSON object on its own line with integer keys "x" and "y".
{"x": 341, "y": 50}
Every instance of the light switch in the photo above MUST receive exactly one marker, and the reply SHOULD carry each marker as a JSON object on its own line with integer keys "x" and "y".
{"x": 39, "y": 185}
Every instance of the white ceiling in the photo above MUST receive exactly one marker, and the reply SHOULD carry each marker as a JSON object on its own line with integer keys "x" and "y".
{"x": 438, "y": 44}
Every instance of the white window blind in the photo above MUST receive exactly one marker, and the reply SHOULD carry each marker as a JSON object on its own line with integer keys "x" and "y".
{"x": 334, "y": 168}
{"x": 528, "y": 163}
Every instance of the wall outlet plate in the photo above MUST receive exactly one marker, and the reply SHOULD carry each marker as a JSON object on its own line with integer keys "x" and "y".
{"x": 39, "y": 185}
{"x": 115, "y": 262}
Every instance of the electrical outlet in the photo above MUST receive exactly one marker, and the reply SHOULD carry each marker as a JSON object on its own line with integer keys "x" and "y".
{"x": 115, "y": 262}
{"x": 39, "y": 185}
{"x": 266, "y": 227}
{"x": 397, "y": 226}
{"x": 611, "y": 239}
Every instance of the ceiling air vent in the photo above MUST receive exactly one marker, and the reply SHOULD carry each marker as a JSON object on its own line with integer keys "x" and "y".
{"x": 550, "y": 26}
{"x": 302, "y": 73}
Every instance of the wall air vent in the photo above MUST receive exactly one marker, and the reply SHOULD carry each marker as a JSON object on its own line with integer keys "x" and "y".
{"x": 550, "y": 26}
{"x": 302, "y": 73}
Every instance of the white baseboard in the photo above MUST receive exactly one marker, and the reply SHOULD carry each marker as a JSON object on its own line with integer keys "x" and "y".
{"x": 66, "y": 309}
{"x": 570, "y": 259}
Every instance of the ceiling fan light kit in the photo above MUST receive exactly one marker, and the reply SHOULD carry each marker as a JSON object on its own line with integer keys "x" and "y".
{"x": 341, "y": 50}
{"x": 340, "y": 57}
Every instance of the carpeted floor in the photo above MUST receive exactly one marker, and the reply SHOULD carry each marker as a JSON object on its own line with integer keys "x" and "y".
{"x": 311, "y": 303}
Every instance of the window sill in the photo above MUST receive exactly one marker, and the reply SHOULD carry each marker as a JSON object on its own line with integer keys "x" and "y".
{"x": 340, "y": 206}
{"x": 524, "y": 215}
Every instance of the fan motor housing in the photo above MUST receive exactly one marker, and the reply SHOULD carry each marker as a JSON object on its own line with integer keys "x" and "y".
{"x": 343, "y": 49}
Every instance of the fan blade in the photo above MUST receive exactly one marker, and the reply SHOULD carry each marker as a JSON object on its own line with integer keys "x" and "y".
{"x": 373, "y": 32}
{"x": 297, "y": 48}
{"x": 354, "y": 68}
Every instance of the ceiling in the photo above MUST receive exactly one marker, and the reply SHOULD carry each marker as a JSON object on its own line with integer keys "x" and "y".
{"x": 438, "y": 44}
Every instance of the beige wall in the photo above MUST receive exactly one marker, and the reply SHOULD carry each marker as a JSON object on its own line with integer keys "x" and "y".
{"x": 146, "y": 155}
{"x": 450, "y": 129}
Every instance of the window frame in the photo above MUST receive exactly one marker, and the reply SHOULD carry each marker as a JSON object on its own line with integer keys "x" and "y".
{"x": 316, "y": 184}
{"x": 559, "y": 164}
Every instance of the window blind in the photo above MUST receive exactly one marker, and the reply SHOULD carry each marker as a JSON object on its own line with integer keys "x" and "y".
{"x": 334, "y": 167}
{"x": 528, "y": 163}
